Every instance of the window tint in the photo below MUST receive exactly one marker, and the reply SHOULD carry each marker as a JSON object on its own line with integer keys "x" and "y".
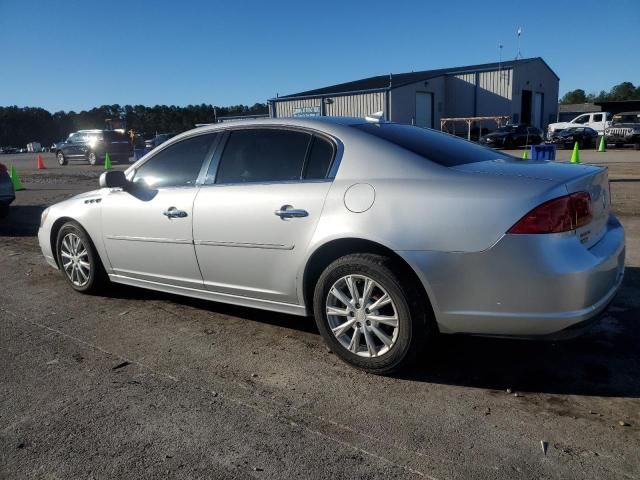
{"x": 438, "y": 147}
{"x": 177, "y": 165}
{"x": 597, "y": 117}
{"x": 263, "y": 155}
{"x": 582, "y": 119}
{"x": 319, "y": 159}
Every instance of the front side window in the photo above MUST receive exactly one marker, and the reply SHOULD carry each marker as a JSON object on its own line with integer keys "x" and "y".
{"x": 582, "y": 119}
{"x": 177, "y": 165}
{"x": 263, "y": 155}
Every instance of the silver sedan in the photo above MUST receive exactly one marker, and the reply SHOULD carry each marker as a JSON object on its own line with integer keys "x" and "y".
{"x": 388, "y": 234}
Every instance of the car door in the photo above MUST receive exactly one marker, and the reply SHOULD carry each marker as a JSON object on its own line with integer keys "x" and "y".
{"x": 71, "y": 148}
{"x": 147, "y": 230}
{"x": 258, "y": 210}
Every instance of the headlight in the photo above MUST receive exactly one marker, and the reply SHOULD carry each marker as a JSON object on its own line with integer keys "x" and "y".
{"x": 43, "y": 216}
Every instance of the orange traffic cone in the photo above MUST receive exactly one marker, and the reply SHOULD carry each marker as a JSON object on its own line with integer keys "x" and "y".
{"x": 40, "y": 163}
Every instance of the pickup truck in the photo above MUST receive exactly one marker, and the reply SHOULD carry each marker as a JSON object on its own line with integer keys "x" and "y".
{"x": 624, "y": 130}
{"x": 599, "y": 121}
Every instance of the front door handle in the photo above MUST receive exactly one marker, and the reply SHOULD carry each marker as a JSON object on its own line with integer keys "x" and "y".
{"x": 287, "y": 211}
{"x": 173, "y": 212}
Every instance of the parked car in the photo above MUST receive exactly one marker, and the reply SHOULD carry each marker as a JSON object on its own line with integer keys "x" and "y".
{"x": 157, "y": 140}
{"x": 92, "y": 145}
{"x": 585, "y": 137}
{"x": 598, "y": 121}
{"x": 7, "y": 194}
{"x": 516, "y": 135}
{"x": 624, "y": 130}
{"x": 386, "y": 233}
{"x": 8, "y": 150}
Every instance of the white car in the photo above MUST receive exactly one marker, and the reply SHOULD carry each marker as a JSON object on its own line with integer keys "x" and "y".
{"x": 596, "y": 120}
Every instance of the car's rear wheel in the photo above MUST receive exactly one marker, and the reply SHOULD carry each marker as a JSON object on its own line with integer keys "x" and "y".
{"x": 78, "y": 260}
{"x": 93, "y": 158}
{"x": 368, "y": 314}
{"x": 4, "y": 210}
{"x": 62, "y": 160}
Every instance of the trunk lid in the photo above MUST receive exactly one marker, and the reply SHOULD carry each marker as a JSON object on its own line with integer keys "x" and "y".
{"x": 576, "y": 178}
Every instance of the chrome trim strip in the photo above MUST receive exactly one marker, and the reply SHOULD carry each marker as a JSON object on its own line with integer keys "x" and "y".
{"x": 150, "y": 239}
{"x": 272, "y": 246}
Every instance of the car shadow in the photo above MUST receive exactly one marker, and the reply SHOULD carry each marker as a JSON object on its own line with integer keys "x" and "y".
{"x": 22, "y": 221}
{"x": 605, "y": 361}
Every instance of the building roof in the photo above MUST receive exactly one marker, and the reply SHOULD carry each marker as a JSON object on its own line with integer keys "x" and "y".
{"x": 579, "y": 108}
{"x": 392, "y": 80}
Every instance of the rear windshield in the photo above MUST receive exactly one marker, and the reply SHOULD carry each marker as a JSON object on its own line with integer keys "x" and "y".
{"x": 438, "y": 147}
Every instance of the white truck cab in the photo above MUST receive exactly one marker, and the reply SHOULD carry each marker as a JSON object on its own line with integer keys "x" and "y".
{"x": 596, "y": 120}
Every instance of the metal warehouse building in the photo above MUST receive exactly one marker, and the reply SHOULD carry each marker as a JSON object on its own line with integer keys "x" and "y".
{"x": 524, "y": 90}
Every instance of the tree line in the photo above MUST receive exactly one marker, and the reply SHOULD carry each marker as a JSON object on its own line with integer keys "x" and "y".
{"x": 21, "y": 125}
{"x": 622, "y": 91}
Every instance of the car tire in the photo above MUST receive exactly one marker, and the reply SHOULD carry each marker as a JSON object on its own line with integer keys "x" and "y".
{"x": 62, "y": 160}
{"x": 368, "y": 339}
{"x": 636, "y": 146}
{"x": 78, "y": 259}
{"x": 92, "y": 157}
{"x": 4, "y": 210}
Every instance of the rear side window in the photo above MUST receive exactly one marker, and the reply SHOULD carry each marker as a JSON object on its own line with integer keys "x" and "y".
{"x": 112, "y": 136}
{"x": 435, "y": 146}
{"x": 319, "y": 160}
{"x": 597, "y": 117}
{"x": 263, "y": 155}
{"x": 177, "y": 165}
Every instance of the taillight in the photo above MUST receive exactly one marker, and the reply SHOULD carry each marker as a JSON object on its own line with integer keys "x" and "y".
{"x": 561, "y": 214}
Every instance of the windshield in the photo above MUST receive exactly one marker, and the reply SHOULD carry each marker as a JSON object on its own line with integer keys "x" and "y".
{"x": 627, "y": 118}
{"x": 438, "y": 147}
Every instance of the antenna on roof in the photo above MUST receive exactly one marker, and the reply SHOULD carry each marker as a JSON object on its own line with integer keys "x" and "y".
{"x": 519, "y": 54}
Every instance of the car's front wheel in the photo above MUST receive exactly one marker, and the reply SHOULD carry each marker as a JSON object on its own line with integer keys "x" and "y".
{"x": 61, "y": 158}
{"x": 79, "y": 260}
{"x": 369, "y": 315}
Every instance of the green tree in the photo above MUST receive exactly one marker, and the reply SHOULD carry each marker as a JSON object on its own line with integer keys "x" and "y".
{"x": 574, "y": 96}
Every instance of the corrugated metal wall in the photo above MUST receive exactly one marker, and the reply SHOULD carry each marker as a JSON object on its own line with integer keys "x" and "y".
{"x": 358, "y": 105}
{"x": 285, "y": 108}
{"x": 497, "y": 81}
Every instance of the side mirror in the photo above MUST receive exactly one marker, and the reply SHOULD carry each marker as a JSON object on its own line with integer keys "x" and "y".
{"x": 114, "y": 179}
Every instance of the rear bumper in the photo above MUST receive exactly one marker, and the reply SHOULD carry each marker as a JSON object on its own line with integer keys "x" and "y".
{"x": 525, "y": 285}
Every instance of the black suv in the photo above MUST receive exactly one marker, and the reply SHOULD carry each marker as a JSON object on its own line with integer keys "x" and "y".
{"x": 624, "y": 129}
{"x": 93, "y": 145}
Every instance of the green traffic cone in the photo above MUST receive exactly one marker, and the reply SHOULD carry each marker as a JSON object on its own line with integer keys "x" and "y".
{"x": 603, "y": 144}
{"x": 107, "y": 162}
{"x": 575, "y": 156}
{"x": 525, "y": 154}
{"x": 15, "y": 179}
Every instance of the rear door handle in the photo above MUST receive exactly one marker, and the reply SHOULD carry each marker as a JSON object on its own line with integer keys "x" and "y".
{"x": 173, "y": 212}
{"x": 287, "y": 211}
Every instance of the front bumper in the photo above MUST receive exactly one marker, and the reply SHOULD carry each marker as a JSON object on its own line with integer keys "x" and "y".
{"x": 525, "y": 285}
{"x": 44, "y": 239}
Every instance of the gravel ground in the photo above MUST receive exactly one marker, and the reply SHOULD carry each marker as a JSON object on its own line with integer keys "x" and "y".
{"x": 138, "y": 384}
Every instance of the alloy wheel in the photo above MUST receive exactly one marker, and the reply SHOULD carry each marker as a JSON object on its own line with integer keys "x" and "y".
{"x": 362, "y": 316}
{"x": 75, "y": 259}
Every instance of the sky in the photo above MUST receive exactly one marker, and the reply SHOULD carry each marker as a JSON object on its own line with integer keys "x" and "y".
{"x": 74, "y": 55}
